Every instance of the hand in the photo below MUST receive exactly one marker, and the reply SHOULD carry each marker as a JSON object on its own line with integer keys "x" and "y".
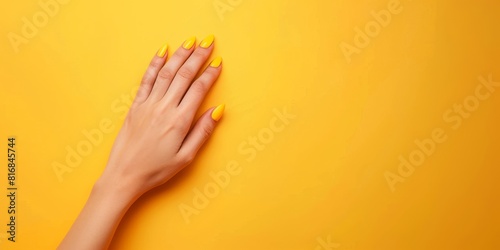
{"x": 155, "y": 141}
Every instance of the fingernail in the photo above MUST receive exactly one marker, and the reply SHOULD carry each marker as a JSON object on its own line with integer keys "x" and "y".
{"x": 162, "y": 51}
{"x": 218, "y": 111}
{"x": 216, "y": 62}
{"x": 205, "y": 43}
{"x": 189, "y": 42}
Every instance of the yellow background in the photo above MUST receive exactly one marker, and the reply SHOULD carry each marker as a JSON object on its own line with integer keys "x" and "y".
{"x": 320, "y": 179}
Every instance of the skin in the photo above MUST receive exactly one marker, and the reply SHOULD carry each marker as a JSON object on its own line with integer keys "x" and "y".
{"x": 157, "y": 140}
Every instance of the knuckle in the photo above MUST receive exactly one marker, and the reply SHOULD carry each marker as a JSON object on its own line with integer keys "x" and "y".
{"x": 189, "y": 158}
{"x": 144, "y": 89}
{"x": 207, "y": 131}
{"x": 200, "y": 53}
{"x": 129, "y": 118}
{"x": 166, "y": 74}
{"x": 148, "y": 75}
{"x": 186, "y": 73}
{"x": 200, "y": 86}
{"x": 186, "y": 158}
{"x": 155, "y": 63}
{"x": 212, "y": 73}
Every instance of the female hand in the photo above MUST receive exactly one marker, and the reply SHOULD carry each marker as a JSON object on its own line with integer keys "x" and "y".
{"x": 156, "y": 141}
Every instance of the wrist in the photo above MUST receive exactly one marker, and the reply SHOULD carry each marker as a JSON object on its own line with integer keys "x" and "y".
{"x": 116, "y": 190}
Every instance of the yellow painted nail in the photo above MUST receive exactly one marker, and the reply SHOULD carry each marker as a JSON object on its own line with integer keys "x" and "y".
{"x": 188, "y": 44}
{"x": 205, "y": 43}
{"x": 162, "y": 51}
{"x": 218, "y": 111}
{"x": 216, "y": 62}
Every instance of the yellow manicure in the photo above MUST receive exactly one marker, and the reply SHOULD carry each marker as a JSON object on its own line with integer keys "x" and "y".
{"x": 188, "y": 44}
{"x": 162, "y": 51}
{"x": 216, "y": 62}
{"x": 218, "y": 111}
{"x": 205, "y": 43}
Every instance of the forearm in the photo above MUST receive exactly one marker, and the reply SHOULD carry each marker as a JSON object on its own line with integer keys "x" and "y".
{"x": 96, "y": 224}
